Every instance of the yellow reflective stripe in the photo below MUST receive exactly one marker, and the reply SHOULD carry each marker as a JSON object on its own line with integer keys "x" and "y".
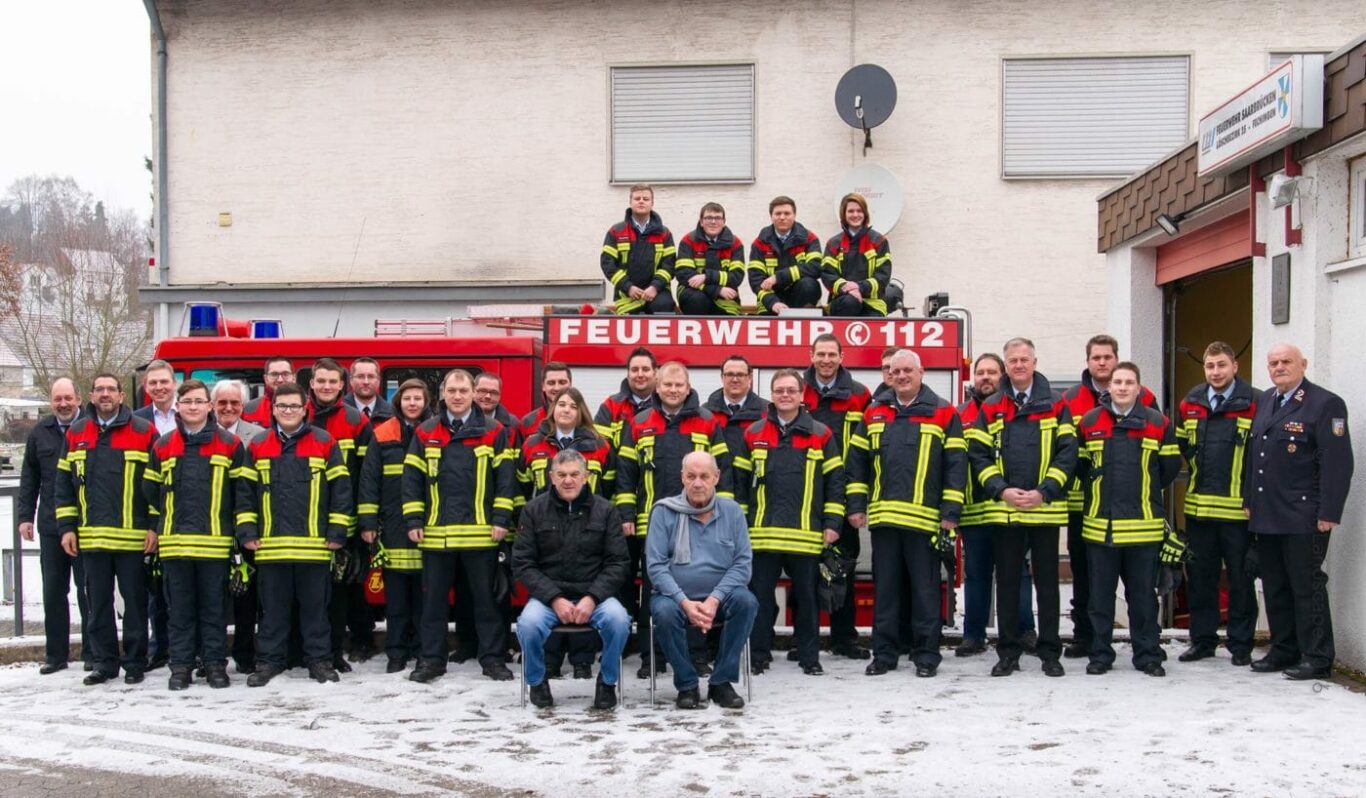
{"x": 393, "y": 469}
{"x": 831, "y": 464}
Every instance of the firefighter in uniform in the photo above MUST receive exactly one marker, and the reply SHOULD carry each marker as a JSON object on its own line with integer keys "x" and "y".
{"x": 907, "y": 470}
{"x": 636, "y": 394}
{"x": 638, "y": 258}
{"x": 785, "y": 261}
{"x": 1023, "y": 449}
{"x": 834, "y": 398}
{"x": 190, "y": 485}
{"x": 1214, "y": 423}
{"x": 379, "y": 511}
{"x": 1102, "y": 353}
{"x": 1299, "y": 473}
{"x": 789, "y": 478}
{"x": 458, "y": 487}
{"x": 1128, "y": 456}
{"x": 102, "y": 515}
{"x": 735, "y": 405}
{"x": 294, "y": 505}
{"x": 650, "y": 463}
{"x": 488, "y": 394}
{"x": 555, "y": 378}
{"x": 353, "y": 435}
{"x": 857, "y": 267}
{"x": 276, "y": 371}
{"x": 710, "y": 266}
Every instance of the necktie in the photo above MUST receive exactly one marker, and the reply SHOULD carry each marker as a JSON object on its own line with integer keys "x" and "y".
{"x": 455, "y": 426}
{"x": 565, "y": 443}
{"x": 1020, "y": 398}
{"x": 366, "y": 411}
{"x": 734, "y": 409}
{"x": 1216, "y": 401}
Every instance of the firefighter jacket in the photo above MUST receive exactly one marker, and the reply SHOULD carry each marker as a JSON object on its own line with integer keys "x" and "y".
{"x": 615, "y": 412}
{"x": 294, "y": 495}
{"x": 1302, "y": 451}
{"x": 974, "y": 510}
{"x": 841, "y": 408}
{"x": 863, "y": 258}
{"x": 379, "y": 505}
{"x": 1031, "y": 447}
{"x": 1214, "y": 443}
{"x": 790, "y": 482}
{"x": 351, "y": 432}
{"x": 528, "y": 425}
{"x": 908, "y": 465}
{"x": 533, "y": 469}
{"x": 38, "y": 475}
{"x": 733, "y": 425}
{"x": 650, "y": 459}
{"x": 721, "y": 262}
{"x": 99, "y": 482}
{"x": 1081, "y": 399}
{"x": 191, "y": 484}
{"x": 640, "y": 258}
{"x": 1124, "y": 464}
{"x": 570, "y": 549}
{"x": 258, "y": 410}
{"x": 459, "y": 483}
{"x": 788, "y": 260}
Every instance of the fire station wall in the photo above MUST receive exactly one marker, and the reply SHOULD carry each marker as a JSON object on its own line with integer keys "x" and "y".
{"x": 432, "y": 140}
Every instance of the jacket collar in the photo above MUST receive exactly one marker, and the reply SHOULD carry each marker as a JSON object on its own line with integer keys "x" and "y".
{"x": 690, "y": 405}
{"x": 840, "y": 389}
{"x": 797, "y": 234}
{"x": 802, "y": 423}
{"x": 750, "y": 409}
{"x": 1238, "y": 396}
{"x": 655, "y": 225}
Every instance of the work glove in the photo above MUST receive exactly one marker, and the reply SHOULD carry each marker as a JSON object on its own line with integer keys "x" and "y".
{"x": 1174, "y": 551}
{"x": 835, "y": 570}
{"x": 1252, "y": 561}
{"x": 943, "y": 541}
{"x": 379, "y": 556}
{"x": 342, "y": 563}
{"x": 151, "y": 565}
{"x": 239, "y": 575}
{"x": 502, "y": 573}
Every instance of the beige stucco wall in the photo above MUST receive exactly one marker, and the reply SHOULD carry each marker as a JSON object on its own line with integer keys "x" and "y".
{"x": 459, "y": 140}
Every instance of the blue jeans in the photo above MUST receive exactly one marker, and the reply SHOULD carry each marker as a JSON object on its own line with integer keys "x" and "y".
{"x": 736, "y": 613}
{"x": 537, "y": 621}
{"x": 978, "y": 566}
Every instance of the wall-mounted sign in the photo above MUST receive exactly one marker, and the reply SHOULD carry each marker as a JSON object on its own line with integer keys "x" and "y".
{"x": 1282, "y": 107}
{"x": 1280, "y": 288}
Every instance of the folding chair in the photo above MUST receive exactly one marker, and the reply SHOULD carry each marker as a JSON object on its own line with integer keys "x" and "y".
{"x": 745, "y": 664}
{"x": 572, "y": 629}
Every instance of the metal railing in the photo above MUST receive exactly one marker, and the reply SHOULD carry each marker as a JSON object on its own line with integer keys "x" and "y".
{"x": 12, "y": 492}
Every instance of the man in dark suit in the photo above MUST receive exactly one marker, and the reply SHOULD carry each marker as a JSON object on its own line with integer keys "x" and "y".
{"x": 1299, "y": 471}
{"x": 365, "y": 393}
{"x": 159, "y": 384}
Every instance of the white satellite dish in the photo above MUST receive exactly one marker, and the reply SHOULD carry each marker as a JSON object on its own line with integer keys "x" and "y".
{"x": 880, "y": 188}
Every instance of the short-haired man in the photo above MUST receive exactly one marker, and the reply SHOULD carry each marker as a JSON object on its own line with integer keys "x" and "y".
{"x": 785, "y": 261}
{"x": 1302, "y": 447}
{"x": 294, "y": 505}
{"x": 735, "y": 404}
{"x": 103, "y": 516}
{"x": 699, "y": 561}
{"x": 907, "y": 470}
{"x": 638, "y": 257}
{"x": 488, "y": 397}
{"x": 1213, "y": 426}
{"x": 458, "y": 489}
{"x": 37, "y": 499}
{"x": 1023, "y": 449}
{"x": 275, "y": 372}
{"x": 365, "y": 395}
{"x": 571, "y": 556}
{"x": 637, "y": 390}
{"x": 229, "y": 397}
{"x": 556, "y": 378}
{"x": 1102, "y": 355}
{"x": 1128, "y": 457}
{"x": 710, "y": 266}
{"x": 834, "y": 398}
{"x": 789, "y": 478}
{"x": 158, "y": 383}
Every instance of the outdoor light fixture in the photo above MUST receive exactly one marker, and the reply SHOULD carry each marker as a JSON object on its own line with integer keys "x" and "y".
{"x": 1171, "y": 225}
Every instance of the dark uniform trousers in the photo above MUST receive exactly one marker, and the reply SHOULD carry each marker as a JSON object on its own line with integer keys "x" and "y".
{"x": 842, "y": 631}
{"x": 803, "y": 570}
{"x": 246, "y": 612}
{"x": 403, "y": 608}
{"x": 1211, "y": 543}
{"x": 1137, "y": 566}
{"x": 58, "y": 567}
{"x": 1009, "y": 547}
{"x": 1082, "y": 631}
{"x": 347, "y": 608}
{"x": 439, "y": 571}
{"x": 198, "y": 610}
{"x": 283, "y": 585}
{"x": 904, "y": 559}
{"x": 102, "y": 570}
{"x": 1296, "y": 591}
{"x": 158, "y": 616}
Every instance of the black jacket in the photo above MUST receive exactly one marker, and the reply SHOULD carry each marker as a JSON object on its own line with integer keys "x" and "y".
{"x": 733, "y": 426}
{"x": 570, "y": 550}
{"x": 379, "y": 506}
{"x": 1214, "y": 443}
{"x": 384, "y": 409}
{"x": 1124, "y": 464}
{"x": 1299, "y": 462}
{"x": 99, "y": 486}
{"x": 38, "y": 475}
{"x": 190, "y": 483}
{"x": 294, "y": 495}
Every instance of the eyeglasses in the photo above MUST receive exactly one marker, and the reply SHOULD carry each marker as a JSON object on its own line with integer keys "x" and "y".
{"x": 289, "y": 408}
{"x": 784, "y": 391}
{"x": 229, "y": 403}
{"x": 280, "y": 375}
{"x": 735, "y": 375}
{"x": 192, "y": 402}
{"x": 488, "y": 391}
{"x": 713, "y": 218}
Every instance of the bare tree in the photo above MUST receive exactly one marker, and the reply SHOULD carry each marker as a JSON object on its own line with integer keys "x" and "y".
{"x": 68, "y": 282}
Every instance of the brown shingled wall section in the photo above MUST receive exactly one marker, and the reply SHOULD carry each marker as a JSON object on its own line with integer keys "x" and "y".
{"x": 1174, "y": 186}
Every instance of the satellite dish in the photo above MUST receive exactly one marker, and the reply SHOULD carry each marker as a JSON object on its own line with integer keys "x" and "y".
{"x": 882, "y": 190}
{"x": 865, "y": 98}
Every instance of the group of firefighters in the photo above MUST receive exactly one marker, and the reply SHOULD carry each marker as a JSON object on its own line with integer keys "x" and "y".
{"x": 291, "y": 512}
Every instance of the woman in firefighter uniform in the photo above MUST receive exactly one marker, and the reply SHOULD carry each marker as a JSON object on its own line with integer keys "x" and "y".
{"x": 380, "y": 517}
{"x": 857, "y": 267}
{"x": 190, "y": 483}
{"x": 1128, "y": 455}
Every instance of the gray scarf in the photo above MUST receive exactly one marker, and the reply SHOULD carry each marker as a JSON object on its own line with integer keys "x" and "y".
{"x": 685, "y": 510}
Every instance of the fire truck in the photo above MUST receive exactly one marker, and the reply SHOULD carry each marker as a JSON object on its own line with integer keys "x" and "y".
{"x": 515, "y": 342}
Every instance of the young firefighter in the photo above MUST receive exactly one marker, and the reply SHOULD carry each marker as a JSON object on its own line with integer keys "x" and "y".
{"x": 857, "y": 267}
{"x": 638, "y": 257}
{"x": 190, "y": 483}
{"x": 785, "y": 261}
{"x": 710, "y": 266}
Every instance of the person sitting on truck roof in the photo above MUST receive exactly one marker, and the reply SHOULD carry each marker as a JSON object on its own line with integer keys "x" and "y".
{"x": 364, "y": 394}
{"x": 785, "y": 261}
{"x": 857, "y": 268}
{"x": 638, "y": 257}
{"x": 710, "y": 266}
{"x": 276, "y": 372}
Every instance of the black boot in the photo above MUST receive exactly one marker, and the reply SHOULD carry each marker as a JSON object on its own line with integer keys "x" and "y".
{"x": 323, "y": 672}
{"x": 217, "y": 675}
{"x": 605, "y": 696}
{"x": 180, "y": 679}
{"x": 724, "y": 695}
{"x": 263, "y": 674}
{"x": 540, "y": 695}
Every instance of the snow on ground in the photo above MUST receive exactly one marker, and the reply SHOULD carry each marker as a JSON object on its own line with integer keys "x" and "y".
{"x": 1207, "y": 727}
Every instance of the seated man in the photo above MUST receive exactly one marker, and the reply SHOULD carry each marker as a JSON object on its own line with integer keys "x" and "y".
{"x": 699, "y": 560}
{"x": 571, "y": 555}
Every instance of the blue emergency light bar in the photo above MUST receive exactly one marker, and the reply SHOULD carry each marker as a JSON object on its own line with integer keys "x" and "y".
{"x": 267, "y": 328}
{"x": 206, "y": 319}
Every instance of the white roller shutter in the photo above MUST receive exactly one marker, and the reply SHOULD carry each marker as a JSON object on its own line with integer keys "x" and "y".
{"x": 683, "y": 123}
{"x": 1076, "y": 117}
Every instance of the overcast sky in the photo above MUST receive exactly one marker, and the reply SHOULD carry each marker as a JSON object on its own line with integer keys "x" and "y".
{"x": 76, "y": 88}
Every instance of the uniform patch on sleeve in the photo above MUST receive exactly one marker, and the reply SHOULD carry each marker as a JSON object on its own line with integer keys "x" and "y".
{"x": 1339, "y": 427}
